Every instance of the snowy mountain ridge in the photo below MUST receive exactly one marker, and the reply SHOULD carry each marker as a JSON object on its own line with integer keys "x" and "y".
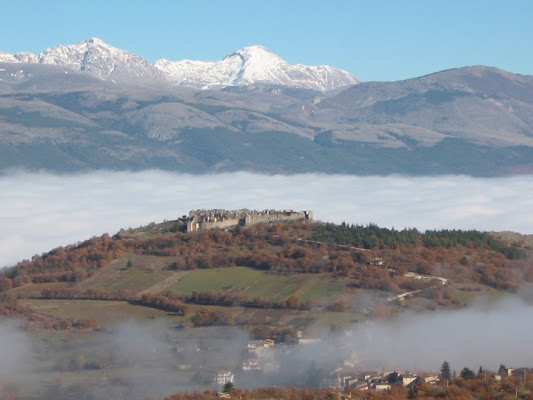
{"x": 253, "y": 65}
{"x": 248, "y": 66}
{"x": 93, "y": 56}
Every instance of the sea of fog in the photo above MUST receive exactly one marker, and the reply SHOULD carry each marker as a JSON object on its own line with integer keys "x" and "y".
{"x": 40, "y": 211}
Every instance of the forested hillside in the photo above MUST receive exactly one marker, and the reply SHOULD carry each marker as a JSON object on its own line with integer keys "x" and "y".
{"x": 371, "y": 257}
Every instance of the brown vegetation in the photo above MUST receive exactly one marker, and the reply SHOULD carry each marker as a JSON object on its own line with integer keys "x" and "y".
{"x": 9, "y": 307}
{"x": 469, "y": 257}
{"x": 205, "y": 317}
{"x": 164, "y": 303}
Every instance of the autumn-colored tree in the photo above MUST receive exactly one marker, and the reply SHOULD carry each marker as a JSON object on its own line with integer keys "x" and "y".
{"x": 164, "y": 303}
{"x": 205, "y": 317}
{"x": 86, "y": 323}
{"x": 340, "y": 305}
{"x": 5, "y": 284}
{"x": 293, "y": 302}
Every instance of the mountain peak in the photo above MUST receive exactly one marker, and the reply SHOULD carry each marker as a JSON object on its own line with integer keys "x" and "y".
{"x": 255, "y": 51}
{"x": 91, "y": 44}
{"x": 257, "y": 57}
{"x": 96, "y": 41}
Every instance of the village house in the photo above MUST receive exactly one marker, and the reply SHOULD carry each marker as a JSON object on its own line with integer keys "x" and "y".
{"x": 408, "y": 379}
{"x": 360, "y": 385}
{"x": 379, "y": 384}
{"x": 223, "y": 377}
{"x": 257, "y": 346}
{"x": 423, "y": 378}
{"x": 366, "y": 375}
{"x": 306, "y": 340}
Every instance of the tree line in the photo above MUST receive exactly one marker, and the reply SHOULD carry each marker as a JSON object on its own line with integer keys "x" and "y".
{"x": 372, "y": 236}
{"x": 176, "y": 302}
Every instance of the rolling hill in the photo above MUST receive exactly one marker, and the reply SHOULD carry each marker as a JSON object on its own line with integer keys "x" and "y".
{"x": 302, "y": 266}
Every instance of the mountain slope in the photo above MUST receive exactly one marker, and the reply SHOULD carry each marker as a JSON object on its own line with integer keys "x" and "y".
{"x": 483, "y": 105}
{"x": 475, "y": 121}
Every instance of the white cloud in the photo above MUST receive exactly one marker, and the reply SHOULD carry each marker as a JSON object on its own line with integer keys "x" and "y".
{"x": 40, "y": 211}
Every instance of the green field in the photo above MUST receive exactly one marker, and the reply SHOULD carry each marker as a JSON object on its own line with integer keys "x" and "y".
{"x": 105, "y": 312}
{"x": 253, "y": 283}
{"x": 35, "y": 289}
{"x": 143, "y": 273}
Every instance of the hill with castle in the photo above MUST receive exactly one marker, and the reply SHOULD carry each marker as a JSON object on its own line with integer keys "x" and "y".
{"x": 236, "y": 293}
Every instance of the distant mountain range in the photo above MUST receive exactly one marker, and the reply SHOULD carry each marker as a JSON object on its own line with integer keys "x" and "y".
{"x": 91, "y": 106}
{"x": 250, "y": 65}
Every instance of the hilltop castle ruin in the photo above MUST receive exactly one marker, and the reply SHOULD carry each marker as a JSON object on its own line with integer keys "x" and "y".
{"x": 204, "y": 220}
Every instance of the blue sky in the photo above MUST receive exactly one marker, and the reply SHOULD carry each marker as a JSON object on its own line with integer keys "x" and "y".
{"x": 374, "y": 40}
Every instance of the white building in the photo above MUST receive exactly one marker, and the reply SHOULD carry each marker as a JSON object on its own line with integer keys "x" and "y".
{"x": 223, "y": 377}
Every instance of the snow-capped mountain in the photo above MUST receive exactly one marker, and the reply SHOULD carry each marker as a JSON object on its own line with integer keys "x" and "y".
{"x": 22, "y": 57}
{"x": 98, "y": 57}
{"x": 93, "y": 56}
{"x": 252, "y": 65}
{"x": 248, "y": 66}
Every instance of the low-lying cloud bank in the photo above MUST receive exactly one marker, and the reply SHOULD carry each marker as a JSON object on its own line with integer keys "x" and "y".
{"x": 485, "y": 334}
{"x": 40, "y": 211}
{"x": 145, "y": 363}
{"x": 15, "y": 350}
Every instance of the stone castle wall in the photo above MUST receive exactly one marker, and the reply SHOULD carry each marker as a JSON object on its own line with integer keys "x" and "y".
{"x": 199, "y": 226}
{"x": 203, "y": 220}
{"x": 259, "y": 217}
